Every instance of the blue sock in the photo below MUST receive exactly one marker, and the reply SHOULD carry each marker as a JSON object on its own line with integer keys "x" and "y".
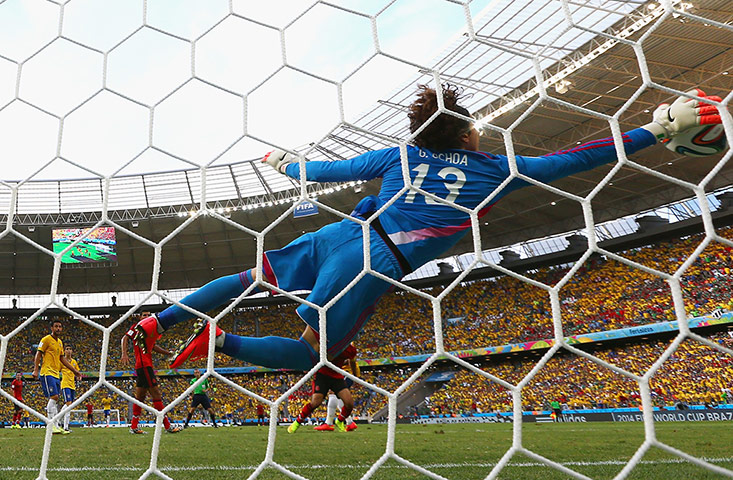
{"x": 212, "y": 295}
{"x": 270, "y": 352}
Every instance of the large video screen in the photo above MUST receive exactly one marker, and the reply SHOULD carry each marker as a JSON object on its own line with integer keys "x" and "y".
{"x": 99, "y": 246}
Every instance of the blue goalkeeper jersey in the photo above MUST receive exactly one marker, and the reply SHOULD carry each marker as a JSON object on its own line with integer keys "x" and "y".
{"x": 423, "y": 228}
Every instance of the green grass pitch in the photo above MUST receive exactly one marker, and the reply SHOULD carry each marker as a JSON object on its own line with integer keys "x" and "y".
{"x": 463, "y": 451}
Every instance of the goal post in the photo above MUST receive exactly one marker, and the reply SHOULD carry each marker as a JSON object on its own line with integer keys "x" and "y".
{"x": 80, "y": 417}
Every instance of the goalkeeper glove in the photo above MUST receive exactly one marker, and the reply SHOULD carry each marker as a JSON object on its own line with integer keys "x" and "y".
{"x": 279, "y": 159}
{"x": 682, "y": 114}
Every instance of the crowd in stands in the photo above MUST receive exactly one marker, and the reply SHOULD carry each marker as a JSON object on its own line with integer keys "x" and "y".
{"x": 602, "y": 295}
{"x": 695, "y": 374}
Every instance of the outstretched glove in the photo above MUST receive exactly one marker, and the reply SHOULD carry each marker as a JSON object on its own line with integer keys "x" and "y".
{"x": 279, "y": 159}
{"x": 684, "y": 113}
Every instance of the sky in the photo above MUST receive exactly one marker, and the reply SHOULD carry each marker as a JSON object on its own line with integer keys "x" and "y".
{"x": 92, "y": 82}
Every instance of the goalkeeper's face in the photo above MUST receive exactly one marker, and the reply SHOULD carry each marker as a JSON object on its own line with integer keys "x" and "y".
{"x": 473, "y": 140}
{"x": 469, "y": 140}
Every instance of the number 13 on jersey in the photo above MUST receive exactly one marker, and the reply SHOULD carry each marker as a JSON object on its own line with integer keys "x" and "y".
{"x": 453, "y": 184}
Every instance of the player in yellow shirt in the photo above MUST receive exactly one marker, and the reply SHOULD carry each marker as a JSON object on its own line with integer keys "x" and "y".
{"x": 68, "y": 384}
{"x": 107, "y": 405}
{"x": 49, "y": 355}
{"x": 229, "y": 413}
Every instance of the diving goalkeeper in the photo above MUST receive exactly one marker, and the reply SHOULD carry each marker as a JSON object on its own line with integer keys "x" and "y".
{"x": 446, "y": 165}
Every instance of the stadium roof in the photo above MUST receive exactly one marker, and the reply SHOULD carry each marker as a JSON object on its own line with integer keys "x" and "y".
{"x": 680, "y": 53}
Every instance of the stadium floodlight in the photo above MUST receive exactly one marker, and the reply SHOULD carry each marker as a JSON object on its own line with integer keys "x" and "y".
{"x": 563, "y": 86}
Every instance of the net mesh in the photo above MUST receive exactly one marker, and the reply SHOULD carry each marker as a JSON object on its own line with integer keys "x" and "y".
{"x": 570, "y": 18}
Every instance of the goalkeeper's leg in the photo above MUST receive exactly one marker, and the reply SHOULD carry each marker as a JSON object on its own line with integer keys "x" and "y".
{"x": 212, "y": 295}
{"x": 307, "y": 263}
{"x": 296, "y": 271}
{"x": 271, "y": 352}
{"x": 345, "y": 318}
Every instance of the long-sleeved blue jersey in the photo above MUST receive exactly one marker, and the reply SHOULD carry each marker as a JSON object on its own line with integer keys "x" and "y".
{"x": 422, "y": 228}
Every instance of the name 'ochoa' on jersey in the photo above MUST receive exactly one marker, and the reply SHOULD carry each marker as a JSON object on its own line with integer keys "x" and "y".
{"x": 456, "y": 158}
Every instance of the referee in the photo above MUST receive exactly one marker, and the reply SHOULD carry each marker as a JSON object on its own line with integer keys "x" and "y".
{"x": 200, "y": 398}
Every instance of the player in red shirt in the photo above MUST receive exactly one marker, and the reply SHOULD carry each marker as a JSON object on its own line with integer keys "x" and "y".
{"x": 260, "y": 414}
{"x": 146, "y": 379}
{"x": 90, "y": 414}
{"x": 327, "y": 379}
{"x": 17, "y": 387}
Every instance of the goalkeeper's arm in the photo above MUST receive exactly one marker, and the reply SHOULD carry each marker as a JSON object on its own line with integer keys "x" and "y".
{"x": 685, "y": 113}
{"x": 366, "y": 166}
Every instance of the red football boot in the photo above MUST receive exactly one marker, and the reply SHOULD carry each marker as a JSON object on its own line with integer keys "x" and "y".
{"x": 324, "y": 427}
{"x": 351, "y": 426}
{"x": 196, "y": 347}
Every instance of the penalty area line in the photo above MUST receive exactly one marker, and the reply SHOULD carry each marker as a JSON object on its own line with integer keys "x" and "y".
{"x": 195, "y": 468}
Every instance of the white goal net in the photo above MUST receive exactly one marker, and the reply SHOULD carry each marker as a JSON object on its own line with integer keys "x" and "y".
{"x": 114, "y": 114}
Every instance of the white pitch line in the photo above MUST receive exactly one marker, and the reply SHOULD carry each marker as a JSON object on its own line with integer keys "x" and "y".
{"x": 195, "y": 468}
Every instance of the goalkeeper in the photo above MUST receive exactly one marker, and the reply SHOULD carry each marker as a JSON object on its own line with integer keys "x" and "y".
{"x": 412, "y": 230}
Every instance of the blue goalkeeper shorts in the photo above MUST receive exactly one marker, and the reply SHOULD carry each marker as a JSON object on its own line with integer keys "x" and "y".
{"x": 325, "y": 262}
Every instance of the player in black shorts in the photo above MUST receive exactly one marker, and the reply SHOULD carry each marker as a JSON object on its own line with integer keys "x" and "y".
{"x": 200, "y": 398}
{"x": 145, "y": 377}
{"x": 328, "y": 379}
{"x": 322, "y": 383}
{"x": 146, "y": 381}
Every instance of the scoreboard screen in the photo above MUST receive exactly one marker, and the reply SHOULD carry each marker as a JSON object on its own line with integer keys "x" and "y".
{"x": 99, "y": 246}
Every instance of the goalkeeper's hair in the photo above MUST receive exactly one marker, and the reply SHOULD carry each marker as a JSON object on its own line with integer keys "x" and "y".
{"x": 444, "y": 132}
